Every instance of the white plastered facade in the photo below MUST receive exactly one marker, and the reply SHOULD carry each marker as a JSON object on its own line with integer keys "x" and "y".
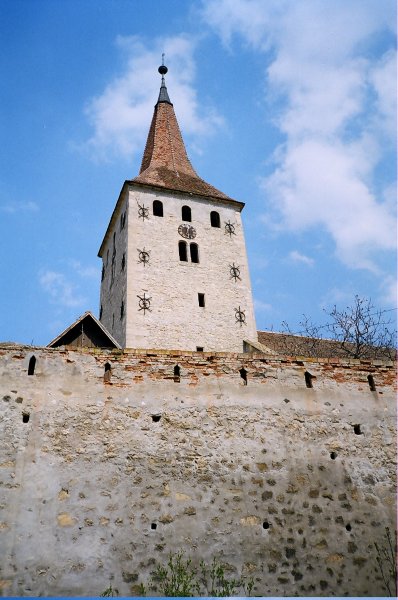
{"x": 174, "y": 319}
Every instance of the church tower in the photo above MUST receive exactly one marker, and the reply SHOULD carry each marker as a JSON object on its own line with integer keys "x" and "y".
{"x": 175, "y": 272}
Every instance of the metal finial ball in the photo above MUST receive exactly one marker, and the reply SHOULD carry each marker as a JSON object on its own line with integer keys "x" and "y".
{"x": 163, "y": 70}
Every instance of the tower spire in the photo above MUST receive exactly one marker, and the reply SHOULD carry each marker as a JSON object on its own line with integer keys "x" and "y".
{"x": 165, "y": 162}
{"x": 163, "y": 95}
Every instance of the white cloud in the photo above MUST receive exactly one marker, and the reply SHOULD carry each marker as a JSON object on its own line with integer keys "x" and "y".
{"x": 60, "y": 289}
{"x": 19, "y": 207}
{"x": 388, "y": 294}
{"x": 85, "y": 272}
{"x": 260, "y": 306}
{"x": 121, "y": 114}
{"x": 297, "y": 256}
{"x": 333, "y": 91}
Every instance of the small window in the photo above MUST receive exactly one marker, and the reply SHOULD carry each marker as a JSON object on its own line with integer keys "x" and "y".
{"x": 243, "y": 374}
{"x": 186, "y": 213}
{"x": 177, "y": 374}
{"x": 107, "y": 257}
{"x": 215, "y": 219}
{"x": 157, "y": 208}
{"x": 103, "y": 273}
{"x": 32, "y": 365}
{"x": 201, "y": 300}
{"x": 107, "y": 372}
{"x": 100, "y": 314}
{"x": 371, "y": 382}
{"x": 308, "y": 379}
{"x": 123, "y": 261}
{"x": 122, "y": 221}
{"x": 182, "y": 251}
{"x": 194, "y": 251}
{"x": 199, "y": 349}
{"x": 122, "y": 310}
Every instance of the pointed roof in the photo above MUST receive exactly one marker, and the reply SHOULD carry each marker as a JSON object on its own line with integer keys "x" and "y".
{"x": 165, "y": 162}
{"x": 86, "y": 332}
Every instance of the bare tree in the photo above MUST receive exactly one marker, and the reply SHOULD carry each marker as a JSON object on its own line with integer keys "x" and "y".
{"x": 358, "y": 331}
{"x": 363, "y": 330}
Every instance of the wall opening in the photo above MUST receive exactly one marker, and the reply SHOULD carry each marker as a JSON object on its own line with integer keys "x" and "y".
{"x": 182, "y": 251}
{"x": 103, "y": 273}
{"x": 348, "y": 527}
{"x": 107, "y": 372}
{"x": 32, "y": 365}
{"x": 100, "y": 312}
{"x": 122, "y": 310}
{"x": 214, "y": 219}
{"x": 243, "y": 374}
{"x": 333, "y": 455}
{"x": 265, "y": 525}
{"x": 201, "y": 300}
{"x": 153, "y": 526}
{"x": 177, "y": 373}
{"x": 371, "y": 383}
{"x": 156, "y": 418}
{"x": 194, "y": 251}
{"x": 199, "y": 349}
{"x": 357, "y": 430}
{"x": 157, "y": 208}
{"x": 186, "y": 214}
{"x": 308, "y": 379}
{"x": 25, "y": 417}
{"x": 123, "y": 261}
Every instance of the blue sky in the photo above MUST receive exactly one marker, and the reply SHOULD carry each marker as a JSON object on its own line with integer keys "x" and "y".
{"x": 286, "y": 105}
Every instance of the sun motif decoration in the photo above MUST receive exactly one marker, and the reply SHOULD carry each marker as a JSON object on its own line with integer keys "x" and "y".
{"x": 240, "y": 316}
{"x": 144, "y": 303}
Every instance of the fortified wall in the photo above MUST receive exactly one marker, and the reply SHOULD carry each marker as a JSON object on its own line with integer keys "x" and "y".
{"x": 110, "y": 460}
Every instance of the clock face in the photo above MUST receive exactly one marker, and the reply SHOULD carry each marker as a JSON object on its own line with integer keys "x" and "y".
{"x": 187, "y": 231}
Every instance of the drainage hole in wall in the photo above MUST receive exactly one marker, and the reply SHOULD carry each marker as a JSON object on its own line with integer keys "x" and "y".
{"x": 265, "y": 525}
{"x": 348, "y": 527}
{"x": 25, "y": 417}
{"x": 333, "y": 455}
{"x": 153, "y": 525}
{"x": 357, "y": 429}
{"x": 156, "y": 418}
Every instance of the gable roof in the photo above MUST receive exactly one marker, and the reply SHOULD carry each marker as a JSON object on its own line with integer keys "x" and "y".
{"x": 165, "y": 162}
{"x": 86, "y": 331}
{"x": 287, "y": 344}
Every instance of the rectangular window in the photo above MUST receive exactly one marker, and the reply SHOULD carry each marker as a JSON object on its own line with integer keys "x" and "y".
{"x": 201, "y": 300}
{"x": 199, "y": 349}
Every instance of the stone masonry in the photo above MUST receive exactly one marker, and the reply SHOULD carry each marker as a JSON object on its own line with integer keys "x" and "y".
{"x": 112, "y": 460}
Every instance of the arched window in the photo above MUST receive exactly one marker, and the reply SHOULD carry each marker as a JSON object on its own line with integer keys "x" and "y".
{"x": 194, "y": 251}
{"x": 32, "y": 364}
{"x": 186, "y": 213}
{"x": 157, "y": 208}
{"x": 182, "y": 251}
{"x": 214, "y": 219}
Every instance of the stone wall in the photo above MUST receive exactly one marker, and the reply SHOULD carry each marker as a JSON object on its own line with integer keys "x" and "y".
{"x": 229, "y": 455}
